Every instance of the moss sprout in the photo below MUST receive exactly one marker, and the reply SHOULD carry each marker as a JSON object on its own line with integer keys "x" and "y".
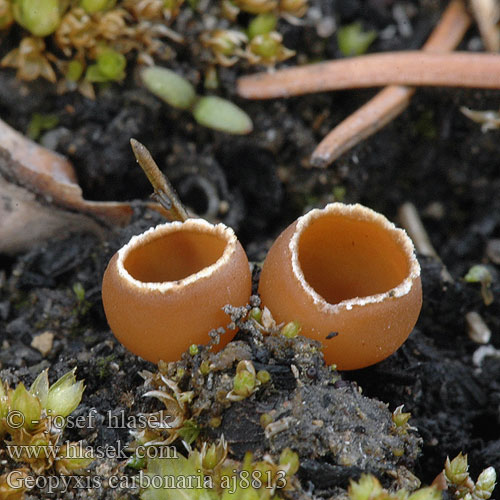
{"x": 353, "y": 41}
{"x": 110, "y": 67}
{"x": 265, "y": 419}
{"x": 255, "y": 314}
{"x": 263, "y": 376}
{"x": 33, "y": 431}
{"x": 291, "y": 329}
{"x": 6, "y": 16}
{"x": 93, "y": 6}
{"x": 13, "y": 484}
{"x": 39, "y": 17}
{"x": 30, "y": 60}
{"x": 39, "y": 123}
{"x": 262, "y": 24}
{"x": 290, "y": 460}
{"x": 226, "y": 45}
{"x": 368, "y": 487}
{"x": 401, "y": 418}
{"x": 268, "y": 49}
{"x": 456, "y": 470}
{"x": 481, "y": 274}
{"x": 189, "y": 431}
{"x": 461, "y": 485}
{"x": 244, "y": 382}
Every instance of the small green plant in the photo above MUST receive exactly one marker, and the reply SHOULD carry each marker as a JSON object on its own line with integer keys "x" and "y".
{"x": 207, "y": 474}
{"x": 353, "y": 41}
{"x": 481, "y": 274}
{"x": 459, "y": 482}
{"x": 39, "y": 123}
{"x": 165, "y": 426}
{"x": 262, "y": 24}
{"x": 33, "y": 421}
{"x": 209, "y": 111}
{"x": 82, "y": 305}
{"x": 110, "y": 67}
{"x": 291, "y": 330}
{"x": 245, "y": 381}
{"x": 40, "y": 17}
{"x": 401, "y": 419}
{"x": 13, "y": 484}
{"x": 369, "y": 488}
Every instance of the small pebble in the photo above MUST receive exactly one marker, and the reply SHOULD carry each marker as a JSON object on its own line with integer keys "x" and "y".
{"x": 493, "y": 250}
{"x": 478, "y": 330}
{"x": 43, "y": 343}
{"x": 326, "y": 27}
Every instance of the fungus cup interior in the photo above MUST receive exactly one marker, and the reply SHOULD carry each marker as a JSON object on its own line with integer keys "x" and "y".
{"x": 343, "y": 258}
{"x": 173, "y": 256}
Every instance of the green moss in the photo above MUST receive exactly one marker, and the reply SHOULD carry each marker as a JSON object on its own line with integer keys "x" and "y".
{"x": 102, "y": 365}
{"x": 40, "y": 17}
{"x": 353, "y": 41}
{"x": 39, "y": 123}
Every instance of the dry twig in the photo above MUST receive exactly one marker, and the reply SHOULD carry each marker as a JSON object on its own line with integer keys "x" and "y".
{"x": 41, "y": 198}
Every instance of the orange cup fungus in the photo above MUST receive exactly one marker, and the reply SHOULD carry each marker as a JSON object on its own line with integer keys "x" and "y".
{"x": 350, "y": 278}
{"x": 165, "y": 289}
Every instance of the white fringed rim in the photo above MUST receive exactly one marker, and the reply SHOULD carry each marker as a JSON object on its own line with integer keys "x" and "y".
{"x": 356, "y": 212}
{"x": 201, "y": 225}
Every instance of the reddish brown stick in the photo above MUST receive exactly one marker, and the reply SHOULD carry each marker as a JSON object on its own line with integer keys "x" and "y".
{"x": 457, "y": 69}
{"x": 392, "y": 100}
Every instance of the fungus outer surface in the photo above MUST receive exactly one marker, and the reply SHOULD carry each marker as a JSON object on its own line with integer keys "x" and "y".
{"x": 345, "y": 269}
{"x": 165, "y": 289}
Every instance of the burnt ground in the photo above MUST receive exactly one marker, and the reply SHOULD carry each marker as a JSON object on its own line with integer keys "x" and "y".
{"x": 431, "y": 155}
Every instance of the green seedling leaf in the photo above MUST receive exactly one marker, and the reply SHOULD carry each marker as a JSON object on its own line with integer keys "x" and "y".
{"x": 169, "y": 86}
{"x": 220, "y": 114}
{"x": 40, "y": 17}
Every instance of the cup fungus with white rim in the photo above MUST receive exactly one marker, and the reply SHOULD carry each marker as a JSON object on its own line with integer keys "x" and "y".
{"x": 166, "y": 288}
{"x": 350, "y": 278}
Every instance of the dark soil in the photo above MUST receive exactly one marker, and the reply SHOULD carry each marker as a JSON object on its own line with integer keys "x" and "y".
{"x": 431, "y": 155}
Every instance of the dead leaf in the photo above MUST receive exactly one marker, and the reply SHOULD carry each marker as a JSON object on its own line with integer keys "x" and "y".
{"x": 40, "y": 197}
